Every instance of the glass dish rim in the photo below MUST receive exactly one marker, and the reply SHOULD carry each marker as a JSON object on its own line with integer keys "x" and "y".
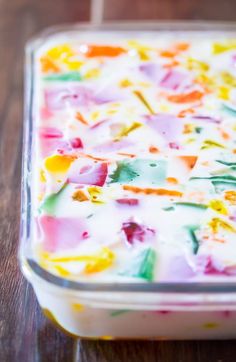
{"x": 31, "y": 267}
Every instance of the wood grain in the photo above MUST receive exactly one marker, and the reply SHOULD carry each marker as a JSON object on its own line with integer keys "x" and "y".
{"x": 170, "y": 9}
{"x": 211, "y": 351}
{"x": 25, "y": 335}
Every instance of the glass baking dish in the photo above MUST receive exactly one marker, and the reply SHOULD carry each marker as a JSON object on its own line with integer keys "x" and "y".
{"x": 155, "y": 310}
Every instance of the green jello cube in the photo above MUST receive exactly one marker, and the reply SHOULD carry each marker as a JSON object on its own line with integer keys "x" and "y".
{"x": 142, "y": 266}
{"x": 140, "y": 171}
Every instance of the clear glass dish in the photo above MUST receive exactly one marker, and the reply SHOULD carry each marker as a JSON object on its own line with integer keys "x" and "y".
{"x": 120, "y": 310}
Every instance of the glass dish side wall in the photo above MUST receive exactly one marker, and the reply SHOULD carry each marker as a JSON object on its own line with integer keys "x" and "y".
{"x": 73, "y": 316}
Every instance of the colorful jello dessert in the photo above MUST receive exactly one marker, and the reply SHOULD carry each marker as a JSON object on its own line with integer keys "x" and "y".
{"x": 134, "y": 159}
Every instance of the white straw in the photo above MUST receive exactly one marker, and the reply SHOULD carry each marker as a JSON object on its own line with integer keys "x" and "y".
{"x": 97, "y": 12}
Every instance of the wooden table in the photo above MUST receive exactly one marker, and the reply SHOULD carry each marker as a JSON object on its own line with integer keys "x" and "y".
{"x": 25, "y": 335}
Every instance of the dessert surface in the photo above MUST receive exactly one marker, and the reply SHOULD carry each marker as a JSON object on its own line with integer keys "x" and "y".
{"x": 134, "y": 158}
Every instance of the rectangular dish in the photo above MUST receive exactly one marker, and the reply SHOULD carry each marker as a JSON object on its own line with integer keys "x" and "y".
{"x": 129, "y": 179}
